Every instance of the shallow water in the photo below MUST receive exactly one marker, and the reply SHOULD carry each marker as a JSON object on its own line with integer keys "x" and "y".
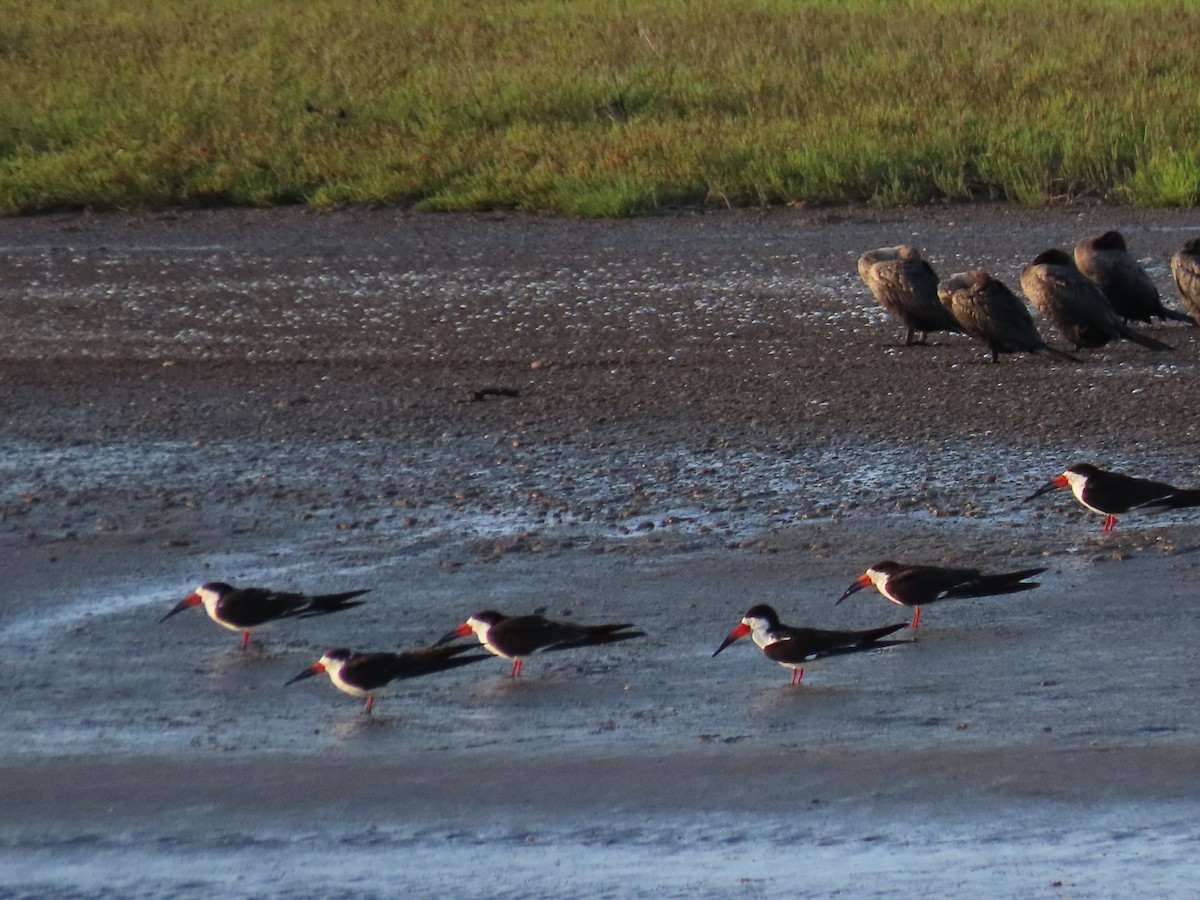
{"x": 1024, "y": 854}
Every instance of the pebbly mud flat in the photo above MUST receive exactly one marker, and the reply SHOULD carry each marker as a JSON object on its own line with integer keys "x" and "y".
{"x": 660, "y": 421}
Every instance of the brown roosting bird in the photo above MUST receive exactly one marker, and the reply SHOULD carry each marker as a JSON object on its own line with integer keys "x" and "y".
{"x": 1076, "y": 306}
{"x": 989, "y": 312}
{"x": 905, "y": 285}
{"x": 1106, "y": 261}
{"x": 1185, "y": 266}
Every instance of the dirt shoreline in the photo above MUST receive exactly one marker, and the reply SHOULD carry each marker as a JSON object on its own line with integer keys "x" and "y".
{"x": 379, "y": 324}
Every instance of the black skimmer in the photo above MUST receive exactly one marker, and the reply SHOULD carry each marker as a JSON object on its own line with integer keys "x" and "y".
{"x": 989, "y": 312}
{"x": 1107, "y": 262}
{"x": 515, "y": 637}
{"x": 1074, "y": 304}
{"x": 796, "y": 647}
{"x": 905, "y": 285}
{"x": 917, "y": 586}
{"x": 241, "y": 609}
{"x": 362, "y": 674}
{"x": 1113, "y": 493}
{"x": 1185, "y": 266}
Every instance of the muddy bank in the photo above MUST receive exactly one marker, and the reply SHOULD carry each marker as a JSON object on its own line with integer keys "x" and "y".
{"x": 374, "y": 324}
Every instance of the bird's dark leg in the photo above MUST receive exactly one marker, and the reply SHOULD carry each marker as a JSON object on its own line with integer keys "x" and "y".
{"x": 797, "y": 675}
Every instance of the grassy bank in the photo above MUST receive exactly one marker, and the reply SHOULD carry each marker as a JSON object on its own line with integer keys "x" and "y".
{"x": 596, "y": 108}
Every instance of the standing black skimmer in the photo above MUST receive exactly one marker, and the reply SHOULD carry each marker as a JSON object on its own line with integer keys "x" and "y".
{"x": 1107, "y": 262}
{"x": 1112, "y": 493}
{"x": 917, "y": 586}
{"x": 515, "y": 637}
{"x": 241, "y": 609}
{"x": 362, "y": 674}
{"x": 1185, "y": 266}
{"x": 989, "y": 312}
{"x": 795, "y": 647}
{"x": 1076, "y": 306}
{"x": 905, "y": 285}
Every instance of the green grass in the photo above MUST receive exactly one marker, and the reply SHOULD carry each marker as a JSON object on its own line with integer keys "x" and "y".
{"x": 597, "y": 108}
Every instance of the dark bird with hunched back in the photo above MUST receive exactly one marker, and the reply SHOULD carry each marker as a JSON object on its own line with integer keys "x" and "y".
{"x": 1106, "y": 262}
{"x": 1076, "y": 306}
{"x": 905, "y": 285}
{"x": 243, "y": 609}
{"x": 796, "y": 648}
{"x": 516, "y": 637}
{"x": 1185, "y": 267}
{"x": 1113, "y": 493}
{"x": 918, "y": 586}
{"x": 364, "y": 674}
{"x": 989, "y": 311}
